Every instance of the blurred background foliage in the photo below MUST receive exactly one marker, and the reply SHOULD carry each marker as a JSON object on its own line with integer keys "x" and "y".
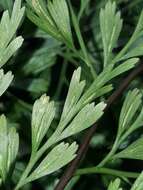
{"x": 44, "y": 65}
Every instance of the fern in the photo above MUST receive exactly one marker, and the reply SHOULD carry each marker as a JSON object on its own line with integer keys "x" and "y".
{"x": 129, "y": 122}
{"x": 53, "y": 142}
{"x": 8, "y": 43}
{"x": 115, "y": 185}
{"x": 9, "y": 139}
{"x": 70, "y": 123}
{"x": 9, "y": 143}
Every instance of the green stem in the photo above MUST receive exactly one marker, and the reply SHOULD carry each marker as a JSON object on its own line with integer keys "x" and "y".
{"x": 25, "y": 173}
{"x": 34, "y": 158}
{"x": 123, "y": 51}
{"x": 96, "y": 170}
{"x": 70, "y": 57}
{"x": 82, "y": 9}
{"x": 110, "y": 154}
{"x": 127, "y": 46}
{"x": 61, "y": 80}
{"x": 85, "y": 57}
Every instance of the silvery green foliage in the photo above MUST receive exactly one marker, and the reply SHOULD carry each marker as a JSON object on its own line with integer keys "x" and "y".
{"x": 55, "y": 18}
{"x": 42, "y": 58}
{"x": 133, "y": 49}
{"x": 75, "y": 118}
{"x": 5, "y": 80}
{"x": 129, "y": 111}
{"x": 133, "y": 151}
{"x": 42, "y": 116}
{"x": 83, "y": 6}
{"x": 91, "y": 112}
{"x": 78, "y": 102}
{"x": 131, "y": 119}
{"x": 9, "y": 44}
{"x": 47, "y": 17}
{"x": 8, "y": 27}
{"x": 9, "y": 143}
{"x": 138, "y": 184}
{"x": 115, "y": 185}
{"x": 59, "y": 156}
{"x": 111, "y": 25}
{"x": 50, "y": 154}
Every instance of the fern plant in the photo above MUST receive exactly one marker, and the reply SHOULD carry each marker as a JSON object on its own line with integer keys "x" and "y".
{"x": 136, "y": 186}
{"x": 52, "y": 140}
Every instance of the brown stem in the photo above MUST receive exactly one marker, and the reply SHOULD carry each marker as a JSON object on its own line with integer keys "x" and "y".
{"x": 68, "y": 174}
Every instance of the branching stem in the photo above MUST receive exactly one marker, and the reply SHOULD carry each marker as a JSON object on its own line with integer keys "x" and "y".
{"x": 89, "y": 134}
{"x": 97, "y": 170}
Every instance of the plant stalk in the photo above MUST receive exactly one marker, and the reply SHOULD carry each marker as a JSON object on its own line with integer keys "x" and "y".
{"x": 97, "y": 170}
{"x": 68, "y": 174}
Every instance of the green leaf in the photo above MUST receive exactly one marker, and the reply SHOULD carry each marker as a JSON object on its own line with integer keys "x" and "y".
{"x": 54, "y": 20}
{"x": 134, "y": 52}
{"x": 9, "y": 143}
{"x": 134, "y": 151}
{"x": 42, "y": 58}
{"x": 10, "y": 50}
{"x": 8, "y": 27}
{"x": 138, "y": 122}
{"x": 127, "y": 51}
{"x": 138, "y": 30}
{"x": 60, "y": 14}
{"x": 138, "y": 185}
{"x": 75, "y": 104}
{"x": 111, "y": 25}
{"x": 38, "y": 14}
{"x": 108, "y": 73}
{"x": 131, "y": 116}
{"x": 13, "y": 145}
{"x": 83, "y": 6}
{"x": 78, "y": 114}
{"x": 75, "y": 118}
{"x": 115, "y": 185}
{"x": 74, "y": 93}
{"x": 84, "y": 119}
{"x": 17, "y": 14}
{"x": 3, "y": 147}
{"x": 56, "y": 159}
{"x": 37, "y": 85}
{"x": 123, "y": 67}
{"x": 95, "y": 89}
{"x": 104, "y": 90}
{"x": 130, "y": 107}
{"x": 5, "y": 80}
{"x": 42, "y": 116}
